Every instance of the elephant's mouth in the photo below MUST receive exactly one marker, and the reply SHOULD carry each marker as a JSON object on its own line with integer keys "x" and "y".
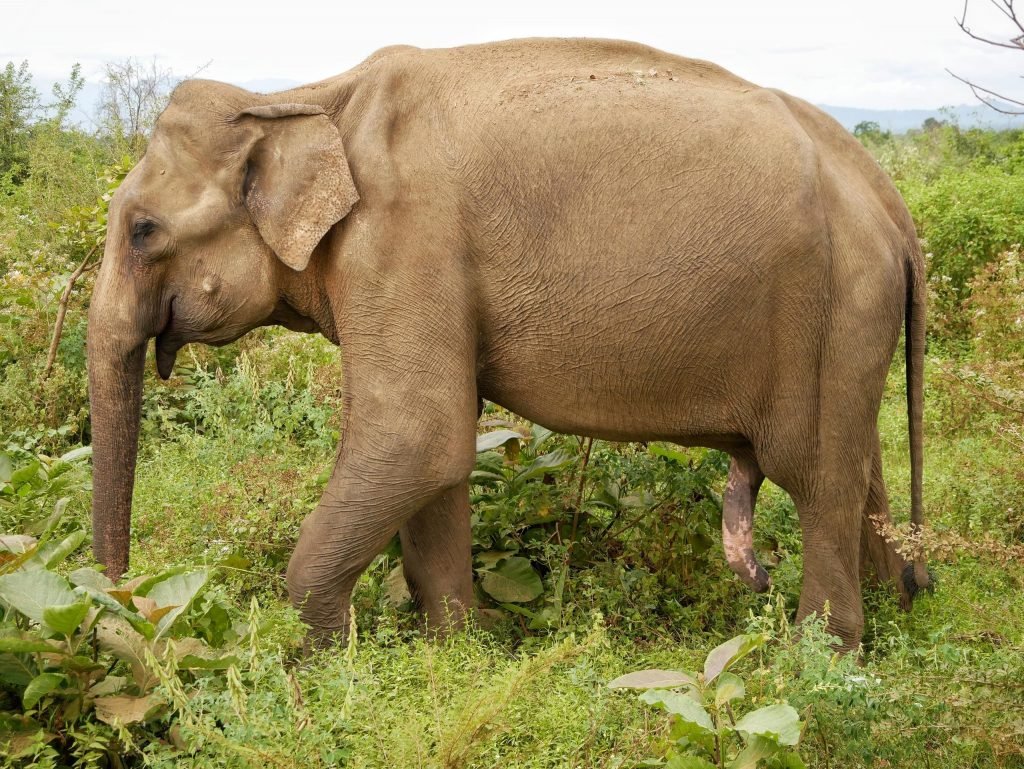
{"x": 167, "y": 345}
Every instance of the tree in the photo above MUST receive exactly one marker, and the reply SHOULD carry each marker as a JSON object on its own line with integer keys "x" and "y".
{"x": 986, "y": 96}
{"x": 134, "y": 94}
{"x": 869, "y": 130}
{"x": 19, "y": 102}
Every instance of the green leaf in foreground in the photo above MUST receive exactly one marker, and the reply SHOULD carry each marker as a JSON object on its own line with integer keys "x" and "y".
{"x": 66, "y": 619}
{"x": 492, "y": 440}
{"x": 688, "y": 762}
{"x": 780, "y": 723}
{"x": 31, "y": 592}
{"x": 757, "y": 749}
{"x": 682, "y": 705}
{"x": 126, "y": 710}
{"x": 730, "y": 687}
{"x": 728, "y": 653}
{"x": 39, "y": 687}
{"x": 177, "y": 592}
{"x": 652, "y": 679}
{"x": 513, "y": 581}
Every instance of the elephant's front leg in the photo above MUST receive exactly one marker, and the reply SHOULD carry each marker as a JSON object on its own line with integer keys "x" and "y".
{"x": 408, "y": 441}
{"x": 382, "y": 478}
{"x": 437, "y": 559}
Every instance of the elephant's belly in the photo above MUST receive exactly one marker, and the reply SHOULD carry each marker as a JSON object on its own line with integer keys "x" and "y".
{"x": 628, "y": 401}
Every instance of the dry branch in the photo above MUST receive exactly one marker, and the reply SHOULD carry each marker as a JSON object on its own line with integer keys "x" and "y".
{"x": 62, "y": 311}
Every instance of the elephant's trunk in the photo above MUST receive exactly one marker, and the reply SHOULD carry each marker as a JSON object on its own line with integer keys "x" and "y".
{"x": 117, "y": 351}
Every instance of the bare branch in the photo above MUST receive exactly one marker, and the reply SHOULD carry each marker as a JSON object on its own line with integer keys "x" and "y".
{"x": 1005, "y": 7}
{"x": 985, "y": 95}
{"x": 977, "y": 90}
{"x": 62, "y": 311}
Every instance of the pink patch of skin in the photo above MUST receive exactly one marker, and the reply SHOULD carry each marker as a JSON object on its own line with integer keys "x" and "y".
{"x": 745, "y": 479}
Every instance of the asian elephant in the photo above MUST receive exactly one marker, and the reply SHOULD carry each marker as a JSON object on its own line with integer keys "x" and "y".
{"x": 604, "y": 238}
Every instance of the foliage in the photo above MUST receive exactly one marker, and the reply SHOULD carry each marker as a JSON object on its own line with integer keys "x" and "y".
{"x": 18, "y": 102}
{"x": 706, "y": 731}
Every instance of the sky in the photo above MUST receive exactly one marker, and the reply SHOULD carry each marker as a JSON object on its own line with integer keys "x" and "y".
{"x": 880, "y": 54}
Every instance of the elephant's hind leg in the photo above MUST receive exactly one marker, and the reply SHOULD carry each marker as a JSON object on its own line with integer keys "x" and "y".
{"x": 745, "y": 479}
{"x": 437, "y": 560}
{"x": 876, "y": 550}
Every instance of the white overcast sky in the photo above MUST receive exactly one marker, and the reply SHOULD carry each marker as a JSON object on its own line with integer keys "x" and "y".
{"x": 886, "y": 54}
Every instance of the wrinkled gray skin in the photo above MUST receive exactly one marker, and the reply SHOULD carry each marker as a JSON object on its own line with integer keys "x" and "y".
{"x": 604, "y": 238}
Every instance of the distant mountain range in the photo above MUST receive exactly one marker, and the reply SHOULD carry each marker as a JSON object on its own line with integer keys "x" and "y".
{"x": 895, "y": 120}
{"x": 902, "y": 120}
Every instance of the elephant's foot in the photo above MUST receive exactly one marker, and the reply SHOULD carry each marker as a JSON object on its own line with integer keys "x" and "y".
{"x": 323, "y": 639}
{"x": 437, "y": 560}
{"x": 879, "y": 555}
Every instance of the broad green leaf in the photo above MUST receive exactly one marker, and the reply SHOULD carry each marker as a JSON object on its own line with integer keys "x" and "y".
{"x": 396, "y": 587}
{"x": 26, "y": 474}
{"x": 16, "y": 671}
{"x": 142, "y": 584}
{"x": 81, "y": 664}
{"x": 683, "y": 732}
{"x": 192, "y": 662}
{"x": 481, "y": 477}
{"x": 546, "y": 463}
{"x": 107, "y": 685}
{"x": 730, "y": 687}
{"x": 126, "y": 710}
{"x": 116, "y": 636}
{"x": 235, "y": 561}
{"x": 177, "y": 592}
{"x": 681, "y": 705}
{"x": 39, "y": 687}
{"x": 513, "y": 581}
{"x": 674, "y": 455}
{"x": 680, "y": 761}
{"x": 66, "y": 619}
{"x": 16, "y": 543}
{"x": 82, "y": 452}
{"x": 6, "y": 467}
{"x": 780, "y": 723}
{"x": 194, "y": 654}
{"x": 488, "y": 559}
{"x": 102, "y": 598}
{"x": 540, "y": 434}
{"x": 492, "y": 440}
{"x": 653, "y": 679}
{"x": 757, "y": 749}
{"x": 87, "y": 577}
{"x": 55, "y": 554}
{"x": 725, "y": 655}
{"x": 791, "y": 760}
{"x": 16, "y": 645}
{"x": 31, "y": 592}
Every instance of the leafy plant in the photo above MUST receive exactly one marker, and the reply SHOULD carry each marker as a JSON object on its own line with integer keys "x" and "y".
{"x": 705, "y": 730}
{"x": 80, "y": 650}
{"x": 514, "y": 509}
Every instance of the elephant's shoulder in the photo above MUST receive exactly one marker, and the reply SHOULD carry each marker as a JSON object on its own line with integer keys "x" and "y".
{"x": 387, "y": 52}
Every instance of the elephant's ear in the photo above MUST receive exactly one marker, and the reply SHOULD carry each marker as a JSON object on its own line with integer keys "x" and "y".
{"x": 297, "y": 183}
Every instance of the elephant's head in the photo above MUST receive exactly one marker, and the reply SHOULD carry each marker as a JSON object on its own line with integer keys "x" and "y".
{"x": 230, "y": 200}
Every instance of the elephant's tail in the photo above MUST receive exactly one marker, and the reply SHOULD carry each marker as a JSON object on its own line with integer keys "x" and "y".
{"x": 917, "y": 293}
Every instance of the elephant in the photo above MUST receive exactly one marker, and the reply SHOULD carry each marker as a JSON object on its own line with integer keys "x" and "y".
{"x": 602, "y": 237}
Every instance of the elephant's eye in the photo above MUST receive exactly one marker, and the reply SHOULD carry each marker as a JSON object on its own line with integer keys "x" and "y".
{"x": 141, "y": 230}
